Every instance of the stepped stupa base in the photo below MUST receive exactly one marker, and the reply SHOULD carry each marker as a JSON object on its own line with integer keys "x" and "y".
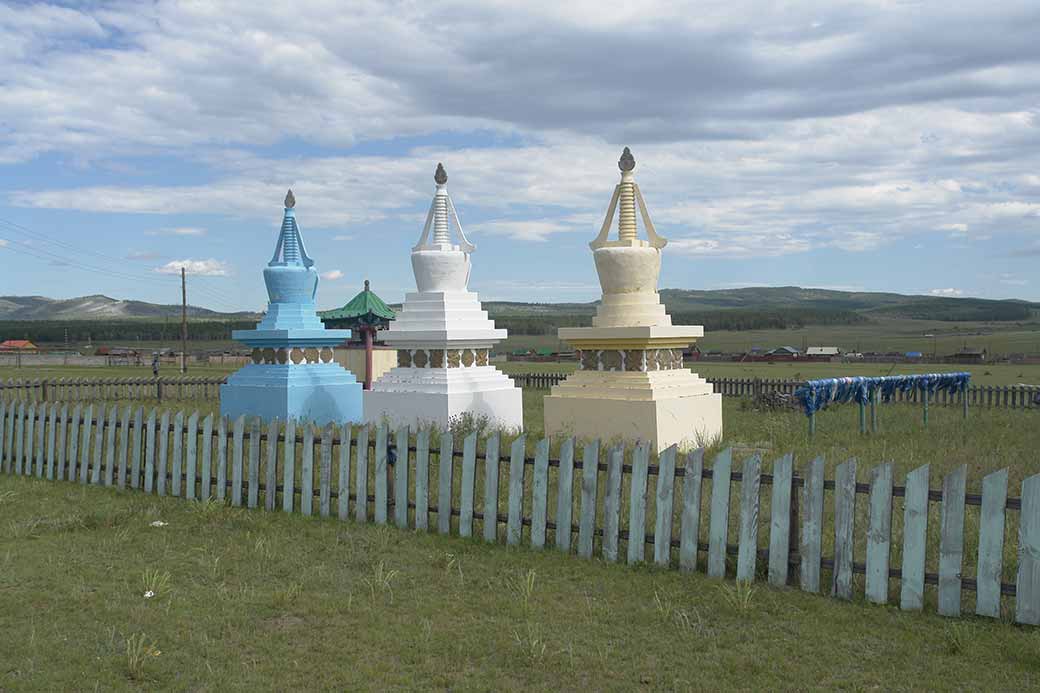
{"x": 666, "y": 407}
{"x": 322, "y": 392}
{"x": 435, "y": 396}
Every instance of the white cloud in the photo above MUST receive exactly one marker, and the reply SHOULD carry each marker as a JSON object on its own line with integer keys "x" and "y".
{"x": 332, "y": 275}
{"x": 177, "y": 231}
{"x": 143, "y": 255}
{"x": 3, "y": 242}
{"x": 946, "y": 292}
{"x": 203, "y": 268}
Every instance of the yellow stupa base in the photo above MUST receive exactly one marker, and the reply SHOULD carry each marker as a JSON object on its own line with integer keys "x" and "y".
{"x": 665, "y": 407}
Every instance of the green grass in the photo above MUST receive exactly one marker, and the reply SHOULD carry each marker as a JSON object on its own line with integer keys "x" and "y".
{"x": 247, "y": 600}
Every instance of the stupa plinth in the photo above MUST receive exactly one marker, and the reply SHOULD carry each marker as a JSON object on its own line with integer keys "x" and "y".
{"x": 294, "y": 373}
{"x": 631, "y": 381}
{"x": 443, "y": 338}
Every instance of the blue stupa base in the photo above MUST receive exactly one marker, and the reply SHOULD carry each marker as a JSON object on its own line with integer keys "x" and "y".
{"x": 319, "y": 392}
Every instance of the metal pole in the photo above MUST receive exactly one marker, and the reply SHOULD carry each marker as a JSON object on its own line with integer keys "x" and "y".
{"x": 862, "y": 417}
{"x": 812, "y": 424}
{"x": 964, "y": 402}
{"x": 184, "y": 323}
{"x": 924, "y": 399}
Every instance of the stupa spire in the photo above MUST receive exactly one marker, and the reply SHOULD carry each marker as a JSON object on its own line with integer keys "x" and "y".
{"x": 440, "y": 217}
{"x": 627, "y": 198}
{"x": 290, "y": 251}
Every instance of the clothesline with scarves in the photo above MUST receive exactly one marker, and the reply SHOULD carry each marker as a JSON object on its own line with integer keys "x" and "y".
{"x": 819, "y": 394}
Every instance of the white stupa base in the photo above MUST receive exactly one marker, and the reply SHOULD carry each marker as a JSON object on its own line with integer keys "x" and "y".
{"x": 420, "y": 397}
{"x": 671, "y": 407}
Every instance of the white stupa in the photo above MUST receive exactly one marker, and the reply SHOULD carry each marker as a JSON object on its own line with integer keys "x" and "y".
{"x": 443, "y": 338}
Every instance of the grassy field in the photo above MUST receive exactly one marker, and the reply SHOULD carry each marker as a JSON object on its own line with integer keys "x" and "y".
{"x": 247, "y": 600}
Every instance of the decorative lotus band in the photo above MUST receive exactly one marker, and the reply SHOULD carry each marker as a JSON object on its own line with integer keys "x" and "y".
{"x": 630, "y": 360}
{"x": 296, "y": 355}
{"x": 442, "y": 358}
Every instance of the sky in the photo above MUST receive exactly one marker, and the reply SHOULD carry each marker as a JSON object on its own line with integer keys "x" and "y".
{"x": 864, "y": 146}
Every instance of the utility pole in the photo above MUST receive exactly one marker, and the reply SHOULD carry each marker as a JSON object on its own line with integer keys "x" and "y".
{"x": 184, "y": 323}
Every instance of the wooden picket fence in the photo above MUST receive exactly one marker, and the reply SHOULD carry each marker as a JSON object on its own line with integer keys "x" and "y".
{"x": 119, "y": 389}
{"x": 370, "y": 473}
{"x": 988, "y": 396}
{"x": 110, "y": 389}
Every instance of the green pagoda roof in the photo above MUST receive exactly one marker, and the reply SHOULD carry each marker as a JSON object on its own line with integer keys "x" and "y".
{"x": 366, "y": 309}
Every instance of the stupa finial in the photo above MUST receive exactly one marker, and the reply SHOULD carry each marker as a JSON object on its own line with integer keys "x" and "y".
{"x": 290, "y": 199}
{"x": 440, "y": 176}
{"x": 627, "y": 162}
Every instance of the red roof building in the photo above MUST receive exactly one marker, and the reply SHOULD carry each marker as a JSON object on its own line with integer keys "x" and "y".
{"x": 22, "y": 345}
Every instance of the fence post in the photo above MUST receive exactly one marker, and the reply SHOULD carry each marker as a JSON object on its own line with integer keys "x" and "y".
{"x": 873, "y": 410}
{"x": 924, "y": 400}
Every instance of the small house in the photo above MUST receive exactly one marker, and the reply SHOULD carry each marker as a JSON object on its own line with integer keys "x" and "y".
{"x": 19, "y": 346}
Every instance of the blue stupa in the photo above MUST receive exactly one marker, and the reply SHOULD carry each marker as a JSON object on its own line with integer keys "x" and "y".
{"x": 293, "y": 373}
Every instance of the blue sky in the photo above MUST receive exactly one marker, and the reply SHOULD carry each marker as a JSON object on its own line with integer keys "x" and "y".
{"x": 888, "y": 146}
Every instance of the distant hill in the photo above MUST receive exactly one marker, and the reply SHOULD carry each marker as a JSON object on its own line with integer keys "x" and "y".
{"x": 746, "y": 308}
{"x": 100, "y": 307}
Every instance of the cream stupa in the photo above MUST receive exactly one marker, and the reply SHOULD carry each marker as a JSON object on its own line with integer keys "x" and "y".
{"x": 443, "y": 338}
{"x": 631, "y": 381}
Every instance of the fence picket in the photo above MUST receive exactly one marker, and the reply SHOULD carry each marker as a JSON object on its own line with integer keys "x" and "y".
{"x": 565, "y": 495}
{"x": 750, "y": 499}
{"x": 345, "y": 436}
{"x": 780, "y": 521}
{"x": 812, "y": 527}
{"x": 401, "y": 478}
{"x": 665, "y": 496}
{"x": 84, "y": 443}
{"x": 41, "y": 427}
{"x": 135, "y": 457}
{"x": 381, "y": 475}
{"x": 514, "y": 526}
{"x": 469, "y": 472}
{"x": 491, "y": 482}
{"x": 177, "y": 465}
{"x": 422, "y": 478}
{"x": 951, "y": 542}
{"x": 30, "y": 427}
{"x": 361, "y": 476}
{"x": 8, "y": 437}
{"x": 253, "y": 497}
{"x": 844, "y": 522}
{"x": 191, "y": 451}
{"x": 589, "y": 481}
{"x": 73, "y": 453}
{"x": 289, "y": 467}
{"x": 540, "y": 494}
{"x": 915, "y": 535}
{"x": 612, "y": 503}
{"x": 307, "y": 469}
{"x": 149, "y": 454}
{"x": 206, "y": 484}
{"x": 3, "y": 434}
{"x": 990, "y": 563}
{"x": 60, "y": 457}
{"x": 1027, "y": 584}
{"x": 718, "y": 530}
{"x": 690, "y": 524}
{"x": 95, "y": 471}
{"x": 325, "y": 472}
{"x": 879, "y": 534}
{"x": 271, "y": 470}
{"x": 237, "y": 439}
{"x": 637, "y": 503}
{"x": 445, "y": 474}
{"x": 51, "y": 432}
{"x": 164, "y": 443}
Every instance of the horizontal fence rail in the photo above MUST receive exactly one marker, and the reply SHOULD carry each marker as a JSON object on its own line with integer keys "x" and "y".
{"x": 586, "y": 499}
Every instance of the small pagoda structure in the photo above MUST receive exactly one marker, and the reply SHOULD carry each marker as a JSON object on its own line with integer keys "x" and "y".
{"x": 364, "y": 315}
{"x": 293, "y": 373}
{"x": 443, "y": 338}
{"x": 631, "y": 380}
